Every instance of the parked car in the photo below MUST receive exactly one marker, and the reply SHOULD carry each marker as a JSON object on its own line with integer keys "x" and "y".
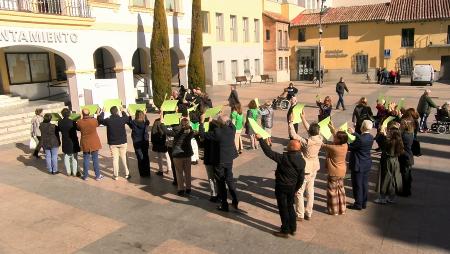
{"x": 422, "y": 74}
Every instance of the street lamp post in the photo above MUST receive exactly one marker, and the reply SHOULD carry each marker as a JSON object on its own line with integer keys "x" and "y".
{"x": 320, "y": 42}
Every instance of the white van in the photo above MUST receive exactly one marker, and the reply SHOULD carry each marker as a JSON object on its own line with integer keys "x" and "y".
{"x": 422, "y": 74}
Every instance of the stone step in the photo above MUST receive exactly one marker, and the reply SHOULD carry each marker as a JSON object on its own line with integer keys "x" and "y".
{"x": 27, "y": 111}
{"x": 25, "y": 134}
{"x": 15, "y": 128}
{"x": 22, "y": 139}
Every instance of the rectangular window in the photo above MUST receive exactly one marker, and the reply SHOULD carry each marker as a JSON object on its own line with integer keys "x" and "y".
{"x": 257, "y": 68}
{"x": 406, "y": 65}
{"x": 139, "y": 3}
{"x": 343, "y": 32}
{"x": 220, "y": 70}
{"x": 219, "y": 27}
{"x": 301, "y": 35}
{"x": 280, "y": 39}
{"x": 234, "y": 68}
{"x": 267, "y": 35}
{"x": 286, "y": 39}
{"x": 28, "y": 67}
{"x": 286, "y": 63}
{"x": 205, "y": 19}
{"x": 233, "y": 28}
{"x": 247, "y": 67}
{"x": 246, "y": 31}
{"x": 280, "y": 63}
{"x": 408, "y": 37}
{"x": 362, "y": 63}
{"x": 257, "y": 30}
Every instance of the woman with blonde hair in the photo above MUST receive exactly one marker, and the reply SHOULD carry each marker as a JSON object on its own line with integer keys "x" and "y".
{"x": 139, "y": 135}
{"x": 252, "y": 113}
{"x": 238, "y": 120}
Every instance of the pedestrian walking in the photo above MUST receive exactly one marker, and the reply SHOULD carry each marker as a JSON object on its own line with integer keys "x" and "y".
{"x": 360, "y": 164}
{"x": 336, "y": 167}
{"x": 50, "y": 142}
{"x": 70, "y": 144}
{"x": 139, "y": 135}
{"x": 182, "y": 152}
{"x": 35, "y": 131}
{"x": 238, "y": 120}
{"x": 424, "y": 109}
{"x": 310, "y": 148}
{"x": 341, "y": 87}
{"x": 224, "y": 171}
{"x": 390, "y": 178}
{"x": 361, "y": 112}
{"x": 90, "y": 143}
{"x": 159, "y": 146}
{"x": 267, "y": 113}
{"x": 289, "y": 176}
{"x": 117, "y": 138}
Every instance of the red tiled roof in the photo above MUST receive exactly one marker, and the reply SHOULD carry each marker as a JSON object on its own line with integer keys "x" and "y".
{"x": 276, "y": 17}
{"x": 396, "y": 11}
{"x": 375, "y": 12}
{"x": 418, "y": 10}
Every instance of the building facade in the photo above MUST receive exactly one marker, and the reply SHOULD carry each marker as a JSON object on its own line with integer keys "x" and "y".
{"x": 232, "y": 40}
{"x": 91, "y": 50}
{"x": 358, "y": 39}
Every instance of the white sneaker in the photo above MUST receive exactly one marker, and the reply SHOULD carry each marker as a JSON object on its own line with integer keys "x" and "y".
{"x": 380, "y": 201}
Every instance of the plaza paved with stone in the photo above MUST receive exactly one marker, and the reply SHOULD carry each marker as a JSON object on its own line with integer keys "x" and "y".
{"x": 42, "y": 213}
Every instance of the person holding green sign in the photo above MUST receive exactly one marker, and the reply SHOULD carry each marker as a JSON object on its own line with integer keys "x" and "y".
{"x": 238, "y": 120}
{"x": 310, "y": 148}
{"x": 252, "y": 113}
{"x": 267, "y": 119}
{"x": 139, "y": 135}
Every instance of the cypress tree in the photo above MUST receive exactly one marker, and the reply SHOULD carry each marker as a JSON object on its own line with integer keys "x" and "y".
{"x": 196, "y": 66}
{"x": 160, "y": 55}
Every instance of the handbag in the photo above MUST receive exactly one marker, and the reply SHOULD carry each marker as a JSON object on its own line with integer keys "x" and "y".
{"x": 415, "y": 148}
{"x": 33, "y": 143}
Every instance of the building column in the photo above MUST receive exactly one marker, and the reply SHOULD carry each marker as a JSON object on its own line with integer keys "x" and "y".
{"x": 80, "y": 82}
{"x": 182, "y": 70}
{"x": 125, "y": 85}
{"x": 4, "y": 86}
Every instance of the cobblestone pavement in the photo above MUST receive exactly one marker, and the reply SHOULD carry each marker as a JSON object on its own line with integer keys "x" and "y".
{"x": 42, "y": 213}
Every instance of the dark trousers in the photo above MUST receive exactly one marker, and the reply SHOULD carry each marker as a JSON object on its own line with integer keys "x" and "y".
{"x": 423, "y": 122}
{"x": 340, "y": 101}
{"x": 224, "y": 177}
{"x": 360, "y": 184}
{"x": 285, "y": 202}
{"x": 406, "y": 180}
{"x": 38, "y": 146}
{"x": 174, "y": 172}
{"x": 141, "y": 151}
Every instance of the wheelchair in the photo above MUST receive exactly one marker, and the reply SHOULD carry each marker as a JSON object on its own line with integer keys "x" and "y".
{"x": 442, "y": 124}
{"x": 280, "y": 103}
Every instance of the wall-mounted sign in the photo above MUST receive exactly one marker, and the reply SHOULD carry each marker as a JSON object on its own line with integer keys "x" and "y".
{"x": 9, "y": 35}
{"x": 387, "y": 53}
{"x": 335, "y": 53}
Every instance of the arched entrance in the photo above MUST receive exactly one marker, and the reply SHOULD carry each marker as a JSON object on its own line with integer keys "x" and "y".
{"x": 141, "y": 72}
{"x": 179, "y": 65}
{"x": 36, "y": 73}
{"x": 104, "y": 64}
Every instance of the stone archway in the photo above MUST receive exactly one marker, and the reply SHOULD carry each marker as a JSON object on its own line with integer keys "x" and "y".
{"x": 179, "y": 66}
{"x": 141, "y": 72}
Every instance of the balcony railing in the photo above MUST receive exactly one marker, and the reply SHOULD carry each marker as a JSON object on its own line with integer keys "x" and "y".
{"x": 74, "y": 8}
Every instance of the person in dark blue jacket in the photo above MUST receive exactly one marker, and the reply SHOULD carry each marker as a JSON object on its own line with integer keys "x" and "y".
{"x": 360, "y": 164}
{"x": 140, "y": 137}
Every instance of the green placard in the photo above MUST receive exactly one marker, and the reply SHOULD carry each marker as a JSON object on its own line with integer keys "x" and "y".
{"x": 169, "y": 105}
{"x": 172, "y": 119}
{"x": 55, "y": 117}
{"x": 401, "y": 103}
{"x": 108, "y": 104}
{"x": 212, "y": 112}
{"x": 193, "y": 108}
{"x": 135, "y": 107}
{"x": 324, "y": 129}
{"x": 386, "y": 121}
{"x": 92, "y": 108}
{"x": 206, "y": 126}
{"x": 351, "y": 137}
{"x": 257, "y": 102}
{"x": 258, "y": 129}
{"x": 75, "y": 117}
{"x": 297, "y": 112}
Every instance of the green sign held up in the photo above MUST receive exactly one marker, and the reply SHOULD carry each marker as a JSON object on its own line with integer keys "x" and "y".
{"x": 135, "y": 107}
{"x": 169, "y": 105}
{"x": 297, "y": 112}
{"x": 212, "y": 112}
{"x": 108, "y": 104}
{"x": 351, "y": 137}
{"x": 92, "y": 108}
{"x": 258, "y": 129}
{"x": 172, "y": 119}
{"x": 325, "y": 129}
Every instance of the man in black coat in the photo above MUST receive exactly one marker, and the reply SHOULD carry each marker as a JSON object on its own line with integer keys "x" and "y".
{"x": 341, "y": 87}
{"x": 360, "y": 163}
{"x": 117, "y": 138}
{"x": 289, "y": 177}
{"x": 70, "y": 144}
{"x": 233, "y": 99}
{"x": 224, "y": 135}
